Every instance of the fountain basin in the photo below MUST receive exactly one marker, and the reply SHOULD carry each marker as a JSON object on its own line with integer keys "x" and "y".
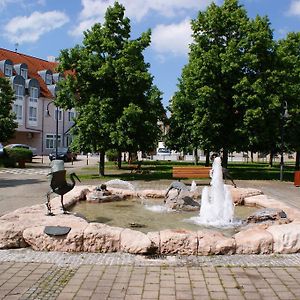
{"x": 149, "y": 215}
{"x": 25, "y": 227}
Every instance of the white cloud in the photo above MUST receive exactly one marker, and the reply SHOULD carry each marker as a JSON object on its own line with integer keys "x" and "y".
{"x": 93, "y": 10}
{"x": 173, "y": 38}
{"x": 30, "y": 29}
{"x": 294, "y": 9}
{"x": 20, "y": 3}
{"x": 4, "y": 3}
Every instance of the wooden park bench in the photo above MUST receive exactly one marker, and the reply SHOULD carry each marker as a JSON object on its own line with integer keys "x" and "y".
{"x": 191, "y": 172}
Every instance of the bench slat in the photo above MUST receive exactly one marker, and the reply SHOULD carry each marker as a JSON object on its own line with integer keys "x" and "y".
{"x": 191, "y": 172}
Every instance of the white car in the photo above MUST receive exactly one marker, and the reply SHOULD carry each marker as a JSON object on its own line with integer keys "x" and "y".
{"x": 163, "y": 151}
{"x": 24, "y": 146}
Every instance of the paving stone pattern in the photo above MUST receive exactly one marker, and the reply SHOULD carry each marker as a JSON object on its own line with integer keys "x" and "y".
{"x": 26, "y": 274}
{"x": 27, "y": 171}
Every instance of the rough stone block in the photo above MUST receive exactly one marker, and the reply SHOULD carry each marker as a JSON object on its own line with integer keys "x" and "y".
{"x": 136, "y": 242}
{"x": 286, "y": 237}
{"x": 178, "y": 242}
{"x": 213, "y": 242}
{"x": 253, "y": 241}
{"x": 102, "y": 238}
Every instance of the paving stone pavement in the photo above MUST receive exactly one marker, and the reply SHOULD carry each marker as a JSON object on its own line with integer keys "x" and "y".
{"x": 26, "y": 274}
{"x": 27, "y": 171}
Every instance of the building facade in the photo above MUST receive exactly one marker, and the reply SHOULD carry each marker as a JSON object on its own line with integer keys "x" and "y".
{"x": 34, "y": 82}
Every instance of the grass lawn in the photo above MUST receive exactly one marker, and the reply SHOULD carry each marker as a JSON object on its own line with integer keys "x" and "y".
{"x": 157, "y": 170}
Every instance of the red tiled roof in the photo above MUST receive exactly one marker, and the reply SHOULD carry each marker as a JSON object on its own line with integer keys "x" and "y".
{"x": 34, "y": 65}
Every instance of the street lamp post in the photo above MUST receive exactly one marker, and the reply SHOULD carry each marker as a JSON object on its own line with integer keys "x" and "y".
{"x": 284, "y": 115}
{"x": 56, "y": 137}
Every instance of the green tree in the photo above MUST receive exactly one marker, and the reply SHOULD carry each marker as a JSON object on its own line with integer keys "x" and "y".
{"x": 110, "y": 88}
{"x": 226, "y": 80}
{"x": 257, "y": 98}
{"x": 289, "y": 67}
{"x": 8, "y": 124}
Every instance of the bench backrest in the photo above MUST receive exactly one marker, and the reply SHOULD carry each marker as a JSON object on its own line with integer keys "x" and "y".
{"x": 191, "y": 172}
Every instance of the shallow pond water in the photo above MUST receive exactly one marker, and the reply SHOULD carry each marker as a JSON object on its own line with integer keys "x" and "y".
{"x": 148, "y": 215}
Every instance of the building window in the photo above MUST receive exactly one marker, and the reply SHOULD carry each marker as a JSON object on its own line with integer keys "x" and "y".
{"x": 51, "y": 141}
{"x": 34, "y": 94}
{"x": 58, "y": 112}
{"x": 19, "y": 91}
{"x": 8, "y": 71}
{"x": 48, "y": 79}
{"x": 32, "y": 115}
{"x": 24, "y": 73}
{"x": 18, "y": 103}
{"x": 71, "y": 116}
{"x": 69, "y": 140}
{"x": 18, "y": 110}
{"x": 32, "y": 106}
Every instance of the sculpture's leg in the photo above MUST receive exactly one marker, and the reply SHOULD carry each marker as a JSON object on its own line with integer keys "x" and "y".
{"x": 62, "y": 204}
{"x": 231, "y": 179}
{"x": 48, "y": 204}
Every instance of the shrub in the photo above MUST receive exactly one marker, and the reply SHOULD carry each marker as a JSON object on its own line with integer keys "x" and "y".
{"x": 19, "y": 154}
{"x": 112, "y": 155}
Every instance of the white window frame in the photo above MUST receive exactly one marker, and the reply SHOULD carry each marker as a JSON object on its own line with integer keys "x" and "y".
{"x": 58, "y": 111}
{"x": 50, "y": 141}
{"x": 71, "y": 115}
{"x": 8, "y": 70}
{"x": 48, "y": 79}
{"x": 24, "y": 73}
{"x": 19, "y": 102}
{"x": 33, "y": 106}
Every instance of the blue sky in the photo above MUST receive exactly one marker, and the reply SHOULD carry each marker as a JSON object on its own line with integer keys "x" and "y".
{"x": 42, "y": 28}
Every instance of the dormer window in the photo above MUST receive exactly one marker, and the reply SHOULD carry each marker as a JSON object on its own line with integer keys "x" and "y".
{"x": 8, "y": 70}
{"x": 24, "y": 73}
{"x": 6, "y": 66}
{"x": 47, "y": 76}
{"x": 22, "y": 70}
{"x": 57, "y": 77}
{"x": 48, "y": 79}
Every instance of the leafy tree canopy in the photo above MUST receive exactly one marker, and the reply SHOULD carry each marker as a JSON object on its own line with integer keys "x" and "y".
{"x": 8, "y": 124}
{"x": 111, "y": 88}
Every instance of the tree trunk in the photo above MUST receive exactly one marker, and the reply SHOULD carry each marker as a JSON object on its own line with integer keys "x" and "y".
{"x": 207, "y": 158}
{"x": 101, "y": 163}
{"x": 119, "y": 160}
{"x": 271, "y": 158}
{"x": 297, "y": 164}
{"x": 196, "y": 156}
{"x": 251, "y": 154}
{"x": 225, "y": 158}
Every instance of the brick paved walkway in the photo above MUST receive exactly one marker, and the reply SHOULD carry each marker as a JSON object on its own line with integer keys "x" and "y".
{"x": 26, "y": 274}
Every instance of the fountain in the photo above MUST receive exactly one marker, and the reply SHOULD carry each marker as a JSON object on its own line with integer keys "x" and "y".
{"x": 217, "y": 207}
{"x": 26, "y": 226}
{"x": 120, "y": 184}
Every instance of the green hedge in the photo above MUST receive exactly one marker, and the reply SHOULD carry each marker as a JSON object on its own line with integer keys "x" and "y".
{"x": 16, "y": 155}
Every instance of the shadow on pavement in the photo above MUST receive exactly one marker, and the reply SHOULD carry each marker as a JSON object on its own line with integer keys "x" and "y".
{"x": 16, "y": 182}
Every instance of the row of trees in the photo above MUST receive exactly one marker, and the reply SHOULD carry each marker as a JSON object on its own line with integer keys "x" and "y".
{"x": 238, "y": 80}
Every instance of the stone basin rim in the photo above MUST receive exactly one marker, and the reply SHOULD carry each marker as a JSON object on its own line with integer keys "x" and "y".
{"x": 25, "y": 227}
